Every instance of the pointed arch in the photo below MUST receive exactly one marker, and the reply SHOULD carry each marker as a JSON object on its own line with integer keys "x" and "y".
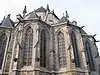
{"x": 43, "y": 49}
{"x": 89, "y": 57}
{"x": 75, "y": 49}
{"x": 28, "y": 46}
{"x": 61, "y": 50}
{"x": 3, "y": 40}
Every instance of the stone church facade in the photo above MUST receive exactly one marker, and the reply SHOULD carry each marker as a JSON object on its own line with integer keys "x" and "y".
{"x": 39, "y": 43}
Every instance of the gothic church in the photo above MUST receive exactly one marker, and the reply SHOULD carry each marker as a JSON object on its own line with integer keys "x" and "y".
{"x": 39, "y": 43}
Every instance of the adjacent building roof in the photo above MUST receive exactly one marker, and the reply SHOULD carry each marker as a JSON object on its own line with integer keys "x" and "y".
{"x": 33, "y": 15}
{"x": 7, "y": 22}
{"x": 41, "y": 9}
{"x": 63, "y": 19}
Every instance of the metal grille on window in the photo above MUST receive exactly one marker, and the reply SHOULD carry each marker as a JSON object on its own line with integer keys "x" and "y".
{"x": 89, "y": 56}
{"x": 3, "y": 40}
{"x": 43, "y": 49}
{"x": 75, "y": 50}
{"x": 28, "y": 45}
{"x": 61, "y": 50}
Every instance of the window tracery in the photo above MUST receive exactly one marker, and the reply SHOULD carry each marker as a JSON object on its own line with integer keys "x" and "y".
{"x": 28, "y": 45}
{"x": 61, "y": 50}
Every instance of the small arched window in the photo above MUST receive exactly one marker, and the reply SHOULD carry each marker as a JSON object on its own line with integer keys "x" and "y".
{"x": 89, "y": 56}
{"x": 28, "y": 45}
{"x": 75, "y": 50}
{"x": 3, "y": 40}
{"x": 61, "y": 50}
{"x": 43, "y": 49}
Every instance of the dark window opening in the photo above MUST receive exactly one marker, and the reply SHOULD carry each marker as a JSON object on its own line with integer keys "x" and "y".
{"x": 3, "y": 40}
{"x": 43, "y": 49}
{"x": 75, "y": 50}
{"x": 89, "y": 56}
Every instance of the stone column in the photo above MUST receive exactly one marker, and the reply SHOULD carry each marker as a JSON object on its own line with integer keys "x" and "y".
{"x": 71, "y": 64}
{"x": 51, "y": 51}
{"x": 36, "y": 60}
{"x": 12, "y": 57}
{"x": 83, "y": 57}
{"x": 15, "y": 59}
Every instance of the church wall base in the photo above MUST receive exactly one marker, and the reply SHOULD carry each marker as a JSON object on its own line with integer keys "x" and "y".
{"x": 38, "y": 72}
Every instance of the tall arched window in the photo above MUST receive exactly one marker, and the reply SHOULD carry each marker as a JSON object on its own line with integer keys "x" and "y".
{"x": 75, "y": 50}
{"x": 89, "y": 56}
{"x": 28, "y": 45}
{"x": 61, "y": 50}
{"x": 3, "y": 40}
{"x": 43, "y": 49}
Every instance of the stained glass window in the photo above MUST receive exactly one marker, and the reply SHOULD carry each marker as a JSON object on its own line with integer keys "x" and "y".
{"x": 3, "y": 40}
{"x": 61, "y": 50}
{"x": 28, "y": 45}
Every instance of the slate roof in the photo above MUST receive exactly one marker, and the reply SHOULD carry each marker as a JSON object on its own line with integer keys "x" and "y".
{"x": 7, "y": 23}
{"x": 33, "y": 15}
{"x": 41, "y": 9}
{"x": 63, "y": 19}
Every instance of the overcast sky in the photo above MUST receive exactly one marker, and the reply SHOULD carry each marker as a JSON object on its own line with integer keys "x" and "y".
{"x": 85, "y": 12}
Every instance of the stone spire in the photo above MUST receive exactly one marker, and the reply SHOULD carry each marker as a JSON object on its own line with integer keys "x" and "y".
{"x": 63, "y": 19}
{"x": 63, "y": 14}
{"x": 67, "y": 16}
{"x": 9, "y": 15}
{"x": 48, "y": 8}
{"x": 24, "y": 12}
{"x": 53, "y": 11}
